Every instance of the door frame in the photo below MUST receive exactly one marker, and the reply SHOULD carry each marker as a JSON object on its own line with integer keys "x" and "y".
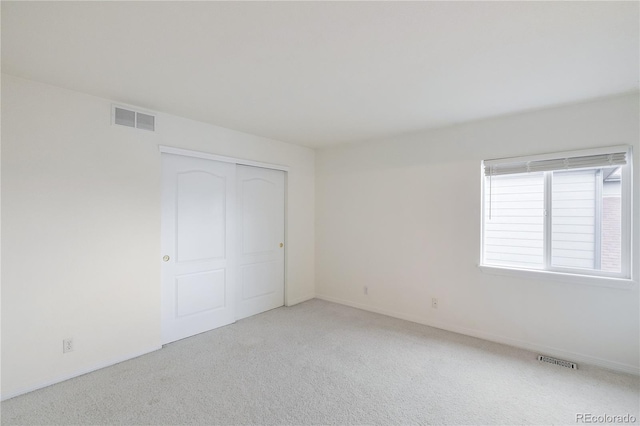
{"x": 164, "y": 149}
{"x": 199, "y": 154}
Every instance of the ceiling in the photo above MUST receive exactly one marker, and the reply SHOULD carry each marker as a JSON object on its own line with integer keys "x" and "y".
{"x": 322, "y": 73}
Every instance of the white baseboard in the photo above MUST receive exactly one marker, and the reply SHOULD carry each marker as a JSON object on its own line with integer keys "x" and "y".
{"x": 301, "y": 299}
{"x": 545, "y": 350}
{"x": 59, "y": 379}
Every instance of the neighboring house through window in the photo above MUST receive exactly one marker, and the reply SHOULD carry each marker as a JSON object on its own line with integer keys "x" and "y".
{"x": 565, "y": 213}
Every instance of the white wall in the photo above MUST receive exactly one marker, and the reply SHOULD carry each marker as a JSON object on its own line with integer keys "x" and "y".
{"x": 81, "y": 228}
{"x": 402, "y": 216}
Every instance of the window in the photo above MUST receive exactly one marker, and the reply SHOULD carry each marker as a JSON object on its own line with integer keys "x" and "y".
{"x": 564, "y": 213}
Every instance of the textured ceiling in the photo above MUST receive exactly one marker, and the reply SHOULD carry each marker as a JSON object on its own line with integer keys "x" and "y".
{"x": 320, "y": 73}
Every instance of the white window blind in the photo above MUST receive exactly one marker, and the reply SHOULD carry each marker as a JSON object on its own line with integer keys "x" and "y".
{"x": 505, "y": 167}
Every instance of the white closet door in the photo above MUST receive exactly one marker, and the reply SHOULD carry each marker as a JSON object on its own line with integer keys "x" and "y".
{"x": 260, "y": 206}
{"x": 198, "y": 245}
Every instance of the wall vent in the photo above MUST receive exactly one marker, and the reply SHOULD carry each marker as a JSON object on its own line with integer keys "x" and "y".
{"x": 556, "y": 361}
{"x": 130, "y": 118}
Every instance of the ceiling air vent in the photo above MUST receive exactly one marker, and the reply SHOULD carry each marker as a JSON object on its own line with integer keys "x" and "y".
{"x": 135, "y": 119}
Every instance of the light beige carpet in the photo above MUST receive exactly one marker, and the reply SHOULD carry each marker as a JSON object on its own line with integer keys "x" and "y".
{"x": 322, "y": 363}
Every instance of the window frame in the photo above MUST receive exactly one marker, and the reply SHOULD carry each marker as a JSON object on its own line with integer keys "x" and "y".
{"x": 623, "y": 279}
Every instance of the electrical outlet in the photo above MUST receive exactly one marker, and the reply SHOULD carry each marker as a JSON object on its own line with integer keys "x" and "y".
{"x": 67, "y": 346}
{"x": 434, "y": 303}
{"x": 366, "y": 290}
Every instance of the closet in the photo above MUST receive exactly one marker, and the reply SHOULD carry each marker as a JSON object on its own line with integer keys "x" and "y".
{"x": 223, "y": 229}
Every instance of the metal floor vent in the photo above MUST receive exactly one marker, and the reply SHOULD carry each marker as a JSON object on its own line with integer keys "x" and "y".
{"x": 556, "y": 361}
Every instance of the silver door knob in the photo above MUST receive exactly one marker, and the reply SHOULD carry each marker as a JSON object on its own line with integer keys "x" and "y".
{"x": 165, "y": 258}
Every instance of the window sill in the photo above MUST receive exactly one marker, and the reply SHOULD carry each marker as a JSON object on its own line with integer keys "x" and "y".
{"x": 608, "y": 282}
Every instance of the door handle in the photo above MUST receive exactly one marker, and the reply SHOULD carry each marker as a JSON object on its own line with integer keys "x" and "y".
{"x": 166, "y": 258}
{"x": 281, "y": 245}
